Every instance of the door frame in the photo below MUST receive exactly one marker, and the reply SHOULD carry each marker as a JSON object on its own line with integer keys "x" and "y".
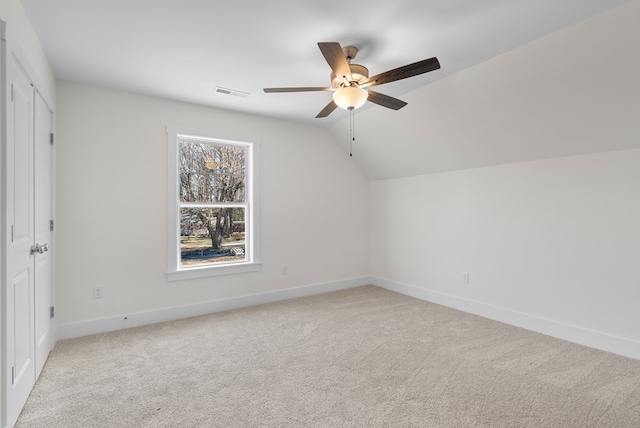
{"x": 43, "y": 148}
{"x": 9, "y": 48}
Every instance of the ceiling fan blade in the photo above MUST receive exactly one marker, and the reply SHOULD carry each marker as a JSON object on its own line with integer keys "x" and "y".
{"x": 385, "y": 100}
{"x": 403, "y": 72}
{"x": 300, "y": 89}
{"x": 329, "y": 108}
{"x": 334, "y": 55}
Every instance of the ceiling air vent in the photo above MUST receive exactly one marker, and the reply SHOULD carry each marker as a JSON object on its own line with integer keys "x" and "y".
{"x": 233, "y": 92}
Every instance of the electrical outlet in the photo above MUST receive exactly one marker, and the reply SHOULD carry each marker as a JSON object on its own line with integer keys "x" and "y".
{"x": 465, "y": 277}
{"x": 285, "y": 270}
{"x": 98, "y": 292}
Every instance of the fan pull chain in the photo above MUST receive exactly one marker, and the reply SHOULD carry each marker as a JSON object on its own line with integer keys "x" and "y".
{"x": 352, "y": 136}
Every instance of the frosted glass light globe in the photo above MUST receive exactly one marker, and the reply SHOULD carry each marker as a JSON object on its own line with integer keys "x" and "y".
{"x": 350, "y": 97}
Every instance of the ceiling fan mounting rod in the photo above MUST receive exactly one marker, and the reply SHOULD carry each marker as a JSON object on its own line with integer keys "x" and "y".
{"x": 350, "y": 52}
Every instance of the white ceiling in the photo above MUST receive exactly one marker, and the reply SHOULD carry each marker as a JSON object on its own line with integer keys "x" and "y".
{"x": 183, "y": 49}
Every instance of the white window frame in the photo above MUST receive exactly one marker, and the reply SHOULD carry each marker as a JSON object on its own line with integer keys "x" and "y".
{"x": 252, "y": 215}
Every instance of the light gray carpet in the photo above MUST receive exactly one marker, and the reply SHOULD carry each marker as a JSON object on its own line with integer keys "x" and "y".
{"x": 364, "y": 357}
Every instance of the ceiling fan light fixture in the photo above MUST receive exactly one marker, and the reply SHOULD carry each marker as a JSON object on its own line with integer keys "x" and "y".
{"x": 348, "y": 81}
{"x": 350, "y": 97}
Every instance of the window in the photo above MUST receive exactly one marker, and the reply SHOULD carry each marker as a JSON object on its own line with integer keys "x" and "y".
{"x": 212, "y": 213}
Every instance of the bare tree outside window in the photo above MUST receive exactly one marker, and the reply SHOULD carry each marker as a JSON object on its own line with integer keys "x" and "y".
{"x": 212, "y": 194}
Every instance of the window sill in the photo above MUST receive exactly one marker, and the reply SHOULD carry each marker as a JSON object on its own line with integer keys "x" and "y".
{"x": 207, "y": 271}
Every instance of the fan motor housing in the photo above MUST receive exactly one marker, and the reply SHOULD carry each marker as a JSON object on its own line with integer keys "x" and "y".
{"x": 359, "y": 74}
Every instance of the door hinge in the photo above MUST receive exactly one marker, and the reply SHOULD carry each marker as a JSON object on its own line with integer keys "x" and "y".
{"x": 51, "y": 225}
{"x": 13, "y": 375}
{"x": 12, "y": 92}
{"x": 52, "y": 312}
{"x": 12, "y": 233}
{"x": 51, "y": 138}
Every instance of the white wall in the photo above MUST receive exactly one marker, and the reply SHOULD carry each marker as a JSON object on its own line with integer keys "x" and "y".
{"x": 554, "y": 244}
{"x": 555, "y": 239}
{"x": 111, "y": 212}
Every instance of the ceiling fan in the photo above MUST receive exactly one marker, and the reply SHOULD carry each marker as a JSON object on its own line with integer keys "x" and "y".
{"x": 349, "y": 82}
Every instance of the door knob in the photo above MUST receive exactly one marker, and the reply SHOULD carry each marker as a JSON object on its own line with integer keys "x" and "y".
{"x": 40, "y": 249}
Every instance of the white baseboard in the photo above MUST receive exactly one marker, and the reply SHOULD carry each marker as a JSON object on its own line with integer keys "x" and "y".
{"x": 581, "y": 336}
{"x": 103, "y": 325}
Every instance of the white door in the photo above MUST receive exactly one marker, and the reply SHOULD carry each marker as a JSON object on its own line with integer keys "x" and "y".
{"x": 43, "y": 231}
{"x": 20, "y": 280}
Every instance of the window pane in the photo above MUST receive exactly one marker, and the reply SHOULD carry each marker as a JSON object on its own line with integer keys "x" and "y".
{"x": 211, "y": 173}
{"x": 211, "y": 236}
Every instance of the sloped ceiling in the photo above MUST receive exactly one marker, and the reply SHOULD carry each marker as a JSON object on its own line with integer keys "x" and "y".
{"x": 463, "y": 115}
{"x": 573, "y": 92}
